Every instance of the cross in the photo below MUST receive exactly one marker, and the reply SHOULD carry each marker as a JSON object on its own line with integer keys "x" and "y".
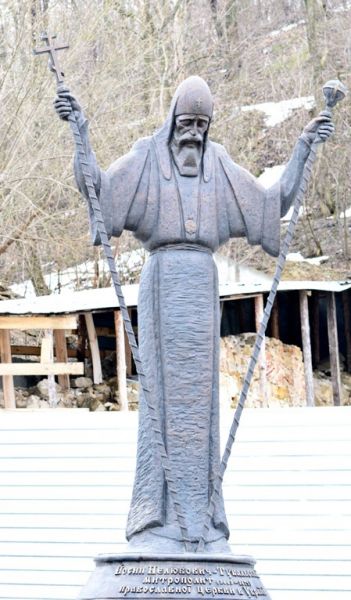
{"x": 198, "y": 103}
{"x": 52, "y": 50}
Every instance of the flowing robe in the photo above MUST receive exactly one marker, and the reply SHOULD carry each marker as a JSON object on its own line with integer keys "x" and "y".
{"x": 182, "y": 221}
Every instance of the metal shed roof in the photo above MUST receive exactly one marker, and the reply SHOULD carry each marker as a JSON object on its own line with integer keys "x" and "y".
{"x": 104, "y": 298}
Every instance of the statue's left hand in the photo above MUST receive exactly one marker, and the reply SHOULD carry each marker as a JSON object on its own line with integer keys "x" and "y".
{"x": 319, "y": 129}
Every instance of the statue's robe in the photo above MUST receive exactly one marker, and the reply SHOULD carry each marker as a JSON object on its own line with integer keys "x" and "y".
{"x": 182, "y": 221}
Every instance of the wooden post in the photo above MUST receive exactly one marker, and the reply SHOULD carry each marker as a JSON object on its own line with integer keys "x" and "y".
{"x": 47, "y": 357}
{"x": 275, "y": 319}
{"x": 334, "y": 348}
{"x": 347, "y": 323}
{"x": 61, "y": 355}
{"x": 121, "y": 361}
{"x": 315, "y": 329}
{"x": 7, "y": 380}
{"x": 94, "y": 348}
{"x": 306, "y": 347}
{"x": 82, "y": 338}
{"x": 262, "y": 361}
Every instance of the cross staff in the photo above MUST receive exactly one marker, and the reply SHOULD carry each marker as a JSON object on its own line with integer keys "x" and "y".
{"x": 95, "y": 204}
{"x": 51, "y": 49}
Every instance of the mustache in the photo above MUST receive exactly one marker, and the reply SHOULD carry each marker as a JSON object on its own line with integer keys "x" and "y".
{"x": 193, "y": 139}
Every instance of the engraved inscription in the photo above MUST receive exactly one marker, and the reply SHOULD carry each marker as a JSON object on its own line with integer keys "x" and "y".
{"x": 201, "y": 580}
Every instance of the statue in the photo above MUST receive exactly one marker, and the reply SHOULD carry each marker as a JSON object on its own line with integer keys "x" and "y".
{"x": 182, "y": 196}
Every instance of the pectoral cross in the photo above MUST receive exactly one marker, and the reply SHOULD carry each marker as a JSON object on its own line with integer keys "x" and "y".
{"x": 51, "y": 49}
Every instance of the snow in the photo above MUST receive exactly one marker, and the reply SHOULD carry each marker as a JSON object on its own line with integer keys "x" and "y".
{"x": 268, "y": 178}
{"x": 286, "y": 28}
{"x": 297, "y": 257}
{"x": 82, "y": 276}
{"x": 346, "y": 214}
{"x": 277, "y": 112}
{"x": 271, "y": 175}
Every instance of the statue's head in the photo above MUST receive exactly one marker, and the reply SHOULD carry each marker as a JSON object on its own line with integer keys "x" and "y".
{"x": 192, "y": 108}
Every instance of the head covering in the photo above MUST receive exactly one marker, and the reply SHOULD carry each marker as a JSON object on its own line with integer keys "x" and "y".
{"x": 192, "y": 96}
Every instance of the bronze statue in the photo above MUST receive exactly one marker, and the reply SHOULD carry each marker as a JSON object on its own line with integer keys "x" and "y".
{"x": 182, "y": 196}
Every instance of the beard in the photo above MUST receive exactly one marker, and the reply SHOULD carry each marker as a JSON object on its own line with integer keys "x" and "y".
{"x": 187, "y": 155}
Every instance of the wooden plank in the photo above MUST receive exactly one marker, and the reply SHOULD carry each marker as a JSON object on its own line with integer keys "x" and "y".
{"x": 47, "y": 357}
{"x": 18, "y": 350}
{"x": 306, "y": 346}
{"x": 94, "y": 348}
{"x": 82, "y": 338}
{"x": 46, "y": 353}
{"x": 275, "y": 319}
{"x": 315, "y": 329}
{"x": 23, "y": 323}
{"x": 333, "y": 342}
{"x": 105, "y": 331}
{"x": 33, "y": 368}
{"x": 61, "y": 356}
{"x": 121, "y": 361}
{"x": 7, "y": 380}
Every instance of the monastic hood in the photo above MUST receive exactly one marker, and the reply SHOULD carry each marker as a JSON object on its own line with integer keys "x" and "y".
{"x": 192, "y": 96}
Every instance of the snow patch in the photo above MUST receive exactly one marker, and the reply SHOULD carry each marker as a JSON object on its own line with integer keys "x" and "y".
{"x": 83, "y": 275}
{"x": 271, "y": 175}
{"x": 278, "y": 112}
{"x": 346, "y": 214}
{"x": 297, "y": 257}
{"x": 277, "y": 32}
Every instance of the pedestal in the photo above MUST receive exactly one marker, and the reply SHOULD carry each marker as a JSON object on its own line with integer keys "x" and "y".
{"x": 167, "y": 576}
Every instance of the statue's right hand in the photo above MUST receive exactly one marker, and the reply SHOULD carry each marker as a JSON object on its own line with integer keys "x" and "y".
{"x": 65, "y": 103}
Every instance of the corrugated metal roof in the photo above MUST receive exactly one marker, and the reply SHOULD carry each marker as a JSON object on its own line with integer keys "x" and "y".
{"x": 105, "y": 298}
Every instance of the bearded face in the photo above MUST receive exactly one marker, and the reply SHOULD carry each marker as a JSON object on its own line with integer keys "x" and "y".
{"x": 188, "y": 141}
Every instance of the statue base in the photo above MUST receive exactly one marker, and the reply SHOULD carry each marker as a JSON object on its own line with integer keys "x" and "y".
{"x": 184, "y": 576}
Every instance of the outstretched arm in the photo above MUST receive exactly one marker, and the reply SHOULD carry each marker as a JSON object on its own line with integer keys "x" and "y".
{"x": 64, "y": 104}
{"x": 318, "y": 130}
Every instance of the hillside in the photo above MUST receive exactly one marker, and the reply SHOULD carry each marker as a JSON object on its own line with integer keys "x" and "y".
{"x": 124, "y": 62}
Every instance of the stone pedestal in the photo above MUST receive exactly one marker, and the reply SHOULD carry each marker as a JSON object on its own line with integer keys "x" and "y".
{"x": 167, "y": 576}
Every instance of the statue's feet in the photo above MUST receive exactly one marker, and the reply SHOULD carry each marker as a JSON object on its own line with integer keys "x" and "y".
{"x": 147, "y": 541}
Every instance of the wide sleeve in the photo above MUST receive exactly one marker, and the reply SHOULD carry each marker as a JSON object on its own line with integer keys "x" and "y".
{"x": 252, "y": 210}
{"x": 123, "y": 193}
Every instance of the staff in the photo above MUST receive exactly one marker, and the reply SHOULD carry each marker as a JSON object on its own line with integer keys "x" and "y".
{"x": 333, "y": 91}
{"x": 54, "y": 65}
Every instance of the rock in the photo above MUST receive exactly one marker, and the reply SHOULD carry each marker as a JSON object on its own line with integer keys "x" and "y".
{"x": 21, "y": 399}
{"x": 83, "y": 400}
{"x": 111, "y": 406}
{"x": 323, "y": 390}
{"x": 95, "y": 404}
{"x": 42, "y": 388}
{"x": 68, "y": 399}
{"x": 103, "y": 390}
{"x": 82, "y": 382}
{"x": 33, "y": 402}
{"x": 284, "y": 372}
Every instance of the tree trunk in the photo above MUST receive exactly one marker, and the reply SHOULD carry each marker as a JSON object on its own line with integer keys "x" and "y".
{"x": 35, "y": 273}
{"x": 316, "y": 37}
